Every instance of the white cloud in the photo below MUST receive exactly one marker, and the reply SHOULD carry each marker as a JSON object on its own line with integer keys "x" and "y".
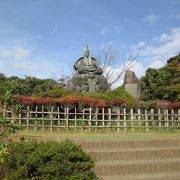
{"x": 140, "y": 44}
{"x": 15, "y": 52}
{"x": 114, "y": 72}
{"x": 151, "y": 19}
{"x": 163, "y": 38}
{"x": 138, "y": 68}
{"x": 170, "y": 44}
{"x": 156, "y": 64}
{"x": 104, "y": 31}
{"x": 168, "y": 47}
{"x": 21, "y": 64}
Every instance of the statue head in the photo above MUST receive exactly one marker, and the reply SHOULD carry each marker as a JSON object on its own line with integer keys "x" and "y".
{"x": 86, "y": 52}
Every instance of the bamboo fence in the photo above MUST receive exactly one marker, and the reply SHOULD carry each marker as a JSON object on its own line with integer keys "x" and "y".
{"x": 57, "y": 119}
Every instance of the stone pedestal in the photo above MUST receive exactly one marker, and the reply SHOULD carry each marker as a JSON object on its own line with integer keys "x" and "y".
{"x": 88, "y": 83}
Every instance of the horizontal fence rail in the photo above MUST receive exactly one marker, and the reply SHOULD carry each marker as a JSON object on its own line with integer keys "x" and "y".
{"x": 95, "y": 119}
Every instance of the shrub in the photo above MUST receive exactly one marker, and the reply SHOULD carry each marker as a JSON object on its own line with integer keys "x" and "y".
{"x": 82, "y": 101}
{"x": 162, "y": 104}
{"x": 98, "y": 95}
{"x": 6, "y": 128}
{"x": 117, "y": 97}
{"x": 69, "y": 100}
{"x": 54, "y": 93}
{"x": 48, "y": 160}
{"x": 34, "y": 100}
{"x": 175, "y": 105}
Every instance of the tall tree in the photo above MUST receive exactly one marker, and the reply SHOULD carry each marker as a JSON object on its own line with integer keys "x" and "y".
{"x": 163, "y": 83}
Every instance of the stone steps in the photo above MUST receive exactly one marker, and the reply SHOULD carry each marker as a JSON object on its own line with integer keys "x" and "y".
{"x": 137, "y": 167}
{"x": 105, "y": 145}
{"x": 151, "y": 159}
{"x": 137, "y": 154}
{"x": 148, "y": 176}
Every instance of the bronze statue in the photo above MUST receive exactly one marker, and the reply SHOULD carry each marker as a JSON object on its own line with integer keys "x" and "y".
{"x": 88, "y": 77}
{"x": 87, "y": 64}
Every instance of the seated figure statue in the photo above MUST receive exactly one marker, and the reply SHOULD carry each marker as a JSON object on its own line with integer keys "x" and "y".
{"x": 87, "y": 64}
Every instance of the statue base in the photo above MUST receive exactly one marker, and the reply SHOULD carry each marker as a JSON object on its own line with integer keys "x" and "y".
{"x": 88, "y": 83}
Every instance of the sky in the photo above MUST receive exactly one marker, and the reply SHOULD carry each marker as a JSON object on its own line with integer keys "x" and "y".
{"x": 44, "y": 38}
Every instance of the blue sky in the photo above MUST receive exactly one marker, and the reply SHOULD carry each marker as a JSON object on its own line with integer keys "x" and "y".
{"x": 44, "y": 37}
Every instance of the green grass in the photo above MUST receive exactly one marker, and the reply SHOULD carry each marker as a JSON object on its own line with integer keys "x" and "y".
{"x": 135, "y": 136}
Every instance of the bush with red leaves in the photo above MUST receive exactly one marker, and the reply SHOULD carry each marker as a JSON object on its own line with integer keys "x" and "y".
{"x": 32, "y": 100}
{"x": 162, "y": 104}
{"x": 175, "y": 105}
{"x": 66, "y": 101}
{"x": 83, "y": 101}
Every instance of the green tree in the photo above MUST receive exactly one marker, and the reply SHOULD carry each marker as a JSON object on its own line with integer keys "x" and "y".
{"x": 163, "y": 83}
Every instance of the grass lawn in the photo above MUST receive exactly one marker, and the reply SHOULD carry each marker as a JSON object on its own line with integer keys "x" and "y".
{"x": 135, "y": 136}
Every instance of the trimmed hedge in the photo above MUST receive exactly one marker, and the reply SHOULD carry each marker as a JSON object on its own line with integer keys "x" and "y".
{"x": 117, "y": 97}
{"x": 55, "y": 93}
{"x": 48, "y": 160}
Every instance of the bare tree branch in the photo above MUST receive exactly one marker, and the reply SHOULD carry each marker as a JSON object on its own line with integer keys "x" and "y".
{"x": 107, "y": 56}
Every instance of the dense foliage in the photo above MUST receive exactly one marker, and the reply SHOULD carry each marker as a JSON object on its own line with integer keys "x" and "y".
{"x": 48, "y": 160}
{"x": 26, "y": 86}
{"x": 6, "y": 127}
{"x": 117, "y": 97}
{"x": 69, "y": 101}
{"x": 163, "y": 83}
{"x": 54, "y": 93}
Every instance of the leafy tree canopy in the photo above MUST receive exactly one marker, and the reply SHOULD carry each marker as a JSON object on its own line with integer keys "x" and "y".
{"x": 163, "y": 83}
{"x": 26, "y": 86}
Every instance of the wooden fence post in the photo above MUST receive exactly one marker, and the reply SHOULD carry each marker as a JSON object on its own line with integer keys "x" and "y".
{"x": 27, "y": 118}
{"x": 90, "y": 118}
{"x": 118, "y": 118}
{"x": 83, "y": 120}
{"x": 125, "y": 123}
{"x": 132, "y": 120}
{"x": 172, "y": 118}
{"x": 67, "y": 118}
{"x": 139, "y": 118}
{"x": 75, "y": 119}
{"x": 159, "y": 119}
{"x": 58, "y": 119}
{"x": 51, "y": 118}
{"x": 109, "y": 118}
{"x": 96, "y": 118}
{"x": 103, "y": 118}
{"x": 19, "y": 118}
{"x": 146, "y": 119}
{"x": 167, "y": 120}
{"x": 35, "y": 123}
{"x": 43, "y": 118}
{"x": 152, "y": 119}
